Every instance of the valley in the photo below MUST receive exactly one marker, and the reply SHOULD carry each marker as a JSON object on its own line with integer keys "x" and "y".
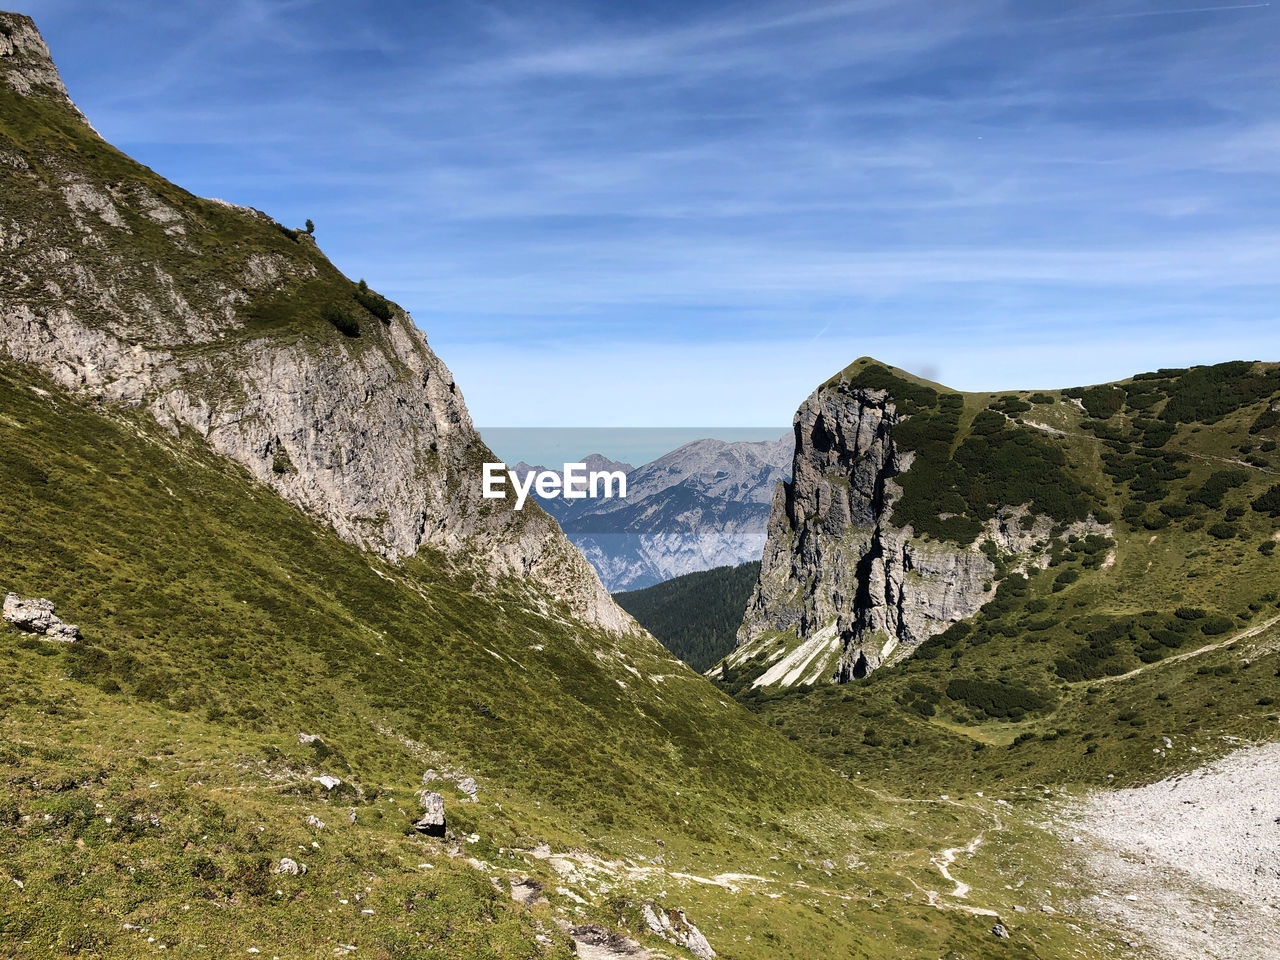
{"x": 959, "y": 666}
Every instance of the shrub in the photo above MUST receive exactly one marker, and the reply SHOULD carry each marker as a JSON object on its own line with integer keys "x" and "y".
{"x": 997, "y": 699}
{"x": 1222, "y": 531}
{"x": 281, "y": 462}
{"x": 375, "y": 303}
{"x": 1207, "y": 394}
{"x": 1103, "y": 402}
{"x": 341, "y": 318}
{"x": 1269, "y": 502}
{"x": 1011, "y": 405}
{"x": 1270, "y": 417}
{"x": 1065, "y": 579}
{"x": 1216, "y": 626}
{"x": 153, "y": 686}
{"x": 1215, "y": 488}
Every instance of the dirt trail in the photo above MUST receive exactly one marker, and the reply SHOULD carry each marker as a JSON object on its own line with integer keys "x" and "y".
{"x": 943, "y": 862}
{"x": 1209, "y": 648}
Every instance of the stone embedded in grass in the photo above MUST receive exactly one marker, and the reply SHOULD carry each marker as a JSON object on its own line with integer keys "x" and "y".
{"x": 328, "y": 782}
{"x": 468, "y": 786}
{"x": 674, "y": 927}
{"x": 432, "y": 820}
{"x": 292, "y": 867}
{"x": 37, "y": 616}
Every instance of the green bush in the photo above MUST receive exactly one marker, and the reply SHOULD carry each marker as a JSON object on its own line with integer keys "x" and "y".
{"x": 1215, "y": 626}
{"x": 1269, "y": 502}
{"x": 1207, "y": 394}
{"x": 1102, "y": 403}
{"x": 341, "y": 318}
{"x": 1215, "y": 488}
{"x": 376, "y": 304}
{"x": 1000, "y": 700}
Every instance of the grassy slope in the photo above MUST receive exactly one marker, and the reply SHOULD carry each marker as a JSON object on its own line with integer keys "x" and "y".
{"x": 205, "y": 262}
{"x": 220, "y": 623}
{"x": 1056, "y": 702}
{"x": 695, "y": 616}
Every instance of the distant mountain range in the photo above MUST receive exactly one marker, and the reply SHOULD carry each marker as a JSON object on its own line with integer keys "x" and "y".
{"x": 703, "y": 505}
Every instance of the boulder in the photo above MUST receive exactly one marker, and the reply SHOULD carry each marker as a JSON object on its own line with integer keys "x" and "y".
{"x": 37, "y": 616}
{"x": 1000, "y": 931}
{"x": 674, "y": 927}
{"x": 432, "y": 820}
{"x": 468, "y": 786}
{"x": 292, "y": 867}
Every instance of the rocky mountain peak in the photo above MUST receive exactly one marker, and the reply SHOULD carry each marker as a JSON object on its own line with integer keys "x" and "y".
{"x": 26, "y": 64}
{"x": 229, "y": 326}
{"x": 853, "y": 581}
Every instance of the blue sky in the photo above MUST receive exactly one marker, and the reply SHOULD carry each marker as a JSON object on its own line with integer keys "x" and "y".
{"x": 670, "y": 214}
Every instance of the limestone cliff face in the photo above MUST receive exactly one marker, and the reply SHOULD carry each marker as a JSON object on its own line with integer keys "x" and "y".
{"x": 125, "y": 288}
{"x": 834, "y": 565}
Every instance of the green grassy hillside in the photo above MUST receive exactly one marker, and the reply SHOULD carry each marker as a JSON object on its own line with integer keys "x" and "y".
{"x": 153, "y": 775}
{"x": 695, "y": 616}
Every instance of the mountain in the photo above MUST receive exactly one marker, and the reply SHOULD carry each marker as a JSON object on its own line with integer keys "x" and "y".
{"x": 558, "y": 506}
{"x": 255, "y": 490}
{"x": 703, "y": 505}
{"x": 1044, "y": 571}
{"x": 302, "y": 639}
{"x": 126, "y": 288}
{"x": 695, "y": 616}
{"x": 912, "y": 508}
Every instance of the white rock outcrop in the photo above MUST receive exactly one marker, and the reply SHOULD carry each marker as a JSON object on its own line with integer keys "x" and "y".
{"x": 37, "y": 616}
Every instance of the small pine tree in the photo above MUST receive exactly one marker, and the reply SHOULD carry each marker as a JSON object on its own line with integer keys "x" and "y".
{"x": 311, "y": 228}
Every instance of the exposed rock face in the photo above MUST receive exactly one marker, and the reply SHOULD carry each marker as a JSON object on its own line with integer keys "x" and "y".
{"x": 125, "y": 288}
{"x": 37, "y": 616}
{"x": 834, "y": 562}
{"x": 29, "y": 66}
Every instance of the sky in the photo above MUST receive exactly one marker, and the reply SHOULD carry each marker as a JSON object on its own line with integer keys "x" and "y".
{"x": 670, "y": 214}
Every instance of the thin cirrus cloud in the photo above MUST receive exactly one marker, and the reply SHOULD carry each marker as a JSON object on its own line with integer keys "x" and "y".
{"x": 989, "y": 188}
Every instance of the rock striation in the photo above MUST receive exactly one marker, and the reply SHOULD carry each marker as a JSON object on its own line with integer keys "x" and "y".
{"x": 127, "y": 289}
{"x": 37, "y": 616}
{"x": 674, "y": 927}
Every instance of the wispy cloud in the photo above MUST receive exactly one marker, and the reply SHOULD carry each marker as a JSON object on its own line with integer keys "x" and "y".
{"x": 704, "y": 177}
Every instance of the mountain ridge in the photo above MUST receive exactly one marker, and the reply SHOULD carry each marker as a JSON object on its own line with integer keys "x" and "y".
{"x": 221, "y": 321}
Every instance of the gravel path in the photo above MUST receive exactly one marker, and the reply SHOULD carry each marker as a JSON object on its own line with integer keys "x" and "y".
{"x": 1191, "y": 864}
